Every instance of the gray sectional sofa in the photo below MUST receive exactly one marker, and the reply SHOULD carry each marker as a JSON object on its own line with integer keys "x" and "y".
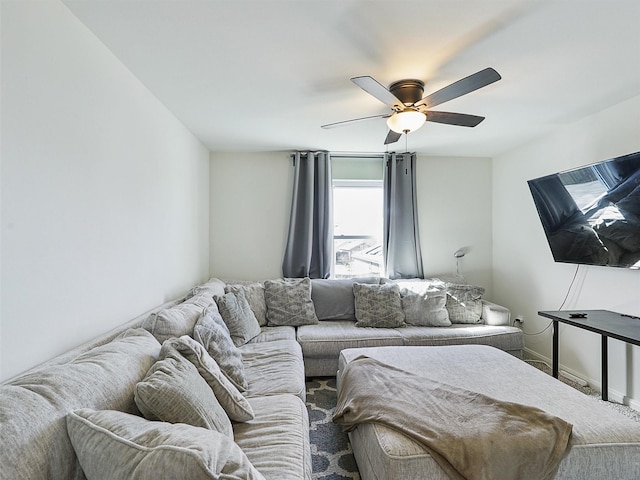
{"x": 98, "y": 382}
{"x": 56, "y": 417}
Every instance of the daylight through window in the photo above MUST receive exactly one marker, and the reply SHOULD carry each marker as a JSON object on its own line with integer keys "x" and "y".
{"x": 357, "y": 213}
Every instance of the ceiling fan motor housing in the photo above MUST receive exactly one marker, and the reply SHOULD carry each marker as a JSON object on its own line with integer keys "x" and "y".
{"x": 408, "y": 91}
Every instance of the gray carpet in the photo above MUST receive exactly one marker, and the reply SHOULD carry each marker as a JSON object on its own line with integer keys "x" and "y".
{"x": 591, "y": 392}
{"x": 330, "y": 449}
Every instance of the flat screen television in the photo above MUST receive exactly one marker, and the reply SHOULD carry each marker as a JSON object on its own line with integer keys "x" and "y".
{"x": 591, "y": 214}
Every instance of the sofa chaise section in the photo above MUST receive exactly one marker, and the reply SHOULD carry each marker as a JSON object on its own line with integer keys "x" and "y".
{"x": 605, "y": 443}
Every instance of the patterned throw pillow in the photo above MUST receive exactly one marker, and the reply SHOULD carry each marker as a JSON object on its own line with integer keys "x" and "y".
{"x": 289, "y": 302}
{"x": 240, "y": 319}
{"x": 212, "y": 333}
{"x": 112, "y": 444}
{"x": 233, "y": 402}
{"x": 254, "y": 293}
{"x": 464, "y": 303}
{"x": 173, "y": 391}
{"x": 378, "y": 305}
{"x": 426, "y": 307}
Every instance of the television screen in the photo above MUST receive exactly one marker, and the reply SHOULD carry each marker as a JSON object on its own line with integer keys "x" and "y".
{"x": 591, "y": 215}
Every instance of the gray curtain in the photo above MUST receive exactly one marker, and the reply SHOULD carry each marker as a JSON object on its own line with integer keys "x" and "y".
{"x": 309, "y": 247}
{"x": 401, "y": 240}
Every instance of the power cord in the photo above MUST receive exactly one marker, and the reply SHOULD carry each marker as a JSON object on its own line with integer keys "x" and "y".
{"x": 563, "y": 302}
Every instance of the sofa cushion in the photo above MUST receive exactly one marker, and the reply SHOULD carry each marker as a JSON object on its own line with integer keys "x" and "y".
{"x": 270, "y": 334}
{"x": 276, "y": 441}
{"x": 273, "y": 368}
{"x": 464, "y": 303}
{"x": 33, "y": 406}
{"x": 212, "y": 333}
{"x": 328, "y": 338}
{"x": 378, "y": 305}
{"x": 289, "y": 302}
{"x": 254, "y": 294}
{"x": 230, "y": 398}
{"x": 178, "y": 320}
{"x": 333, "y": 298}
{"x": 173, "y": 391}
{"x": 425, "y": 307}
{"x": 238, "y": 316}
{"x": 112, "y": 444}
{"x": 509, "y": 339}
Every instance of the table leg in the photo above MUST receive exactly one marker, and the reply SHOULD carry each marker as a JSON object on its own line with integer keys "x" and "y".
{"x": 554, "y": 357}
{"x": 605, "y": 372}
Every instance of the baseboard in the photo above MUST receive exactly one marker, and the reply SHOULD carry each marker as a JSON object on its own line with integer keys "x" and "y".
{"x": 614, "y": 395}
{"x": 577, "y": 377}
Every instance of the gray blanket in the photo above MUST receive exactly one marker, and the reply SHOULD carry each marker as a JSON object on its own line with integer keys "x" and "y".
{"x": 470, "y": 435}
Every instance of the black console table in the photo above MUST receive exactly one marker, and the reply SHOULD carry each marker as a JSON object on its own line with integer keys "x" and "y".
{"x": 606, "y": 323}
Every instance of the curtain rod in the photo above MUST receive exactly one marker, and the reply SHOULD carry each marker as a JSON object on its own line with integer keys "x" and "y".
{"x": 353, "y": 154}
{"x": 366, "y": 154}
{"x": 358, "y": 154}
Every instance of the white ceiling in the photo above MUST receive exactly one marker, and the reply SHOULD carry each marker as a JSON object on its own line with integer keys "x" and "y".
{"x": 264, "y": 75}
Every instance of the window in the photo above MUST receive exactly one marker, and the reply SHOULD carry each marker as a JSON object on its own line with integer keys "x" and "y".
{"x": 357, "y": 213}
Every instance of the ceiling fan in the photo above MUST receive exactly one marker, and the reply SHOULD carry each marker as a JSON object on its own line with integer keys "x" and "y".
{"x": 410, "y": 110}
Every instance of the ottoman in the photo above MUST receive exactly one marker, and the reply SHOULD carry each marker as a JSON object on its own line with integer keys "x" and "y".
{"x": 606, "y": 444}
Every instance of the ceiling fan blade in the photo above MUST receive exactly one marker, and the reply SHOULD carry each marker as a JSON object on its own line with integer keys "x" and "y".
{"x": 347, "y": 122}
{"x": 376, "y": 89}
{"x": 461, "y": 87}
{"x": 392, "y": 137}
{"x": 460, "y": 119}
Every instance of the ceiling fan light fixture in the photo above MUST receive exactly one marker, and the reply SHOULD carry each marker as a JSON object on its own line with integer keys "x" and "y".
{"x": 408, "y": 120}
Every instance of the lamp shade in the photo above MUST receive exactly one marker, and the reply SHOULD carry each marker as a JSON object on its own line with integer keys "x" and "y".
{"x": 406, "y": 121}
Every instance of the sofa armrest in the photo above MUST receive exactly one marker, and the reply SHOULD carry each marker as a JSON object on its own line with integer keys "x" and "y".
{"x": 494, "y": 314}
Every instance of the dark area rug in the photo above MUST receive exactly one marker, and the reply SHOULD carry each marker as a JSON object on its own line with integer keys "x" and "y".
{"x": 330, "y": 448}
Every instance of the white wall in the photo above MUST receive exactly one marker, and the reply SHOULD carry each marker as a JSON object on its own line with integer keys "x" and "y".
{"x": 525, "y": 277}
{"x": 454, "y": 208}
{"x": 250, "y": 205}
{"x": 104, "y": 193}
{"x": 251, "y": 200}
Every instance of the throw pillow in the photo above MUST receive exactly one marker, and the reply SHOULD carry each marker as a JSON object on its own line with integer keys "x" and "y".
{"x": 255, "y": 296}
{"x": 173, "y": 391}
{"x": 289, "y": 302}
{"x": 425, "y": 307}
{"x": 378, "y": 305}
{"x": 212, "y": 333}
{"x": 464, "y": 303}
{"x": 233, "y": 402}
{"x": 333, "y": 298}
{"x": 178, "y": 320}
{"x": 238, "y": 316}
{"x": 213, "y": 287}
{"x": 111, "y": 444}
